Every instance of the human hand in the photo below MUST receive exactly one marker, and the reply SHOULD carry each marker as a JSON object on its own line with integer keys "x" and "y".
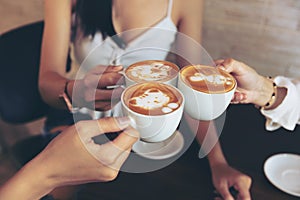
{"x": 73, "y": 157}
{"x": 251, "y": 87}
{"x": 225, "y": 177}
{"x": 92, "y": 91}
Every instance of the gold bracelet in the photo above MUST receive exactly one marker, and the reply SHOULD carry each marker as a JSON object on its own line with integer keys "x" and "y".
{"x": 272, "y": 100}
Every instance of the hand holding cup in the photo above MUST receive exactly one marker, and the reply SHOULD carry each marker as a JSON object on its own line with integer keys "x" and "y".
{"x": 94, "y": 92}
{"x": 155, "y": 109}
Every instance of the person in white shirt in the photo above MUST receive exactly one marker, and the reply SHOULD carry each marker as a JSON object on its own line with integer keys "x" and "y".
{"x": 278, "y": 98}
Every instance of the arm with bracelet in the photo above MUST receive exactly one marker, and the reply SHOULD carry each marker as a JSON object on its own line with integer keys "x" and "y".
{"x": 55, "y": 88}
{"x": 284, "y": 109}
{"x": 277, "y": 98}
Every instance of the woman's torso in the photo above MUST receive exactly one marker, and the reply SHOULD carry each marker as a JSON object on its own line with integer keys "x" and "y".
{"x": 147, "y": 29}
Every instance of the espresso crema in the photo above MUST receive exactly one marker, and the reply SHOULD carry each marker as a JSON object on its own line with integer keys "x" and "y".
{"x": 151, "y": 70}
{"x": 207, "y": 79}
{"x": 152, "y": 98}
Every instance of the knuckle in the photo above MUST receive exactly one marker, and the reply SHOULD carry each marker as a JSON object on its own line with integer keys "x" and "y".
{"x": 111, "y": 175}
{"x": 245, "y": 179}
{"x": 249, "y": 180}
{"x": 108, "y": 160}
{"x": 220, "y": 183}
{"x": 111, "y": 80}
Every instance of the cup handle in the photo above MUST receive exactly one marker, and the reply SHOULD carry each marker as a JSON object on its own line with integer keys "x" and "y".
{"x": 122, "y": 72}
{"x": 111, "y": 87}
{"x": 132, "y": 122}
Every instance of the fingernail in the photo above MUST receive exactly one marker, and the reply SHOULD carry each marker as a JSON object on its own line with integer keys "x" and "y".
{"x": 118, "y": 67}
{"x": 244, "y": 96}
{"x": 123, "y": 122}
{"x": 222, "y": 67}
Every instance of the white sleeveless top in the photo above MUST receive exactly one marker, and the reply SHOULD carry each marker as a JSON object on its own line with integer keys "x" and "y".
{"x": 153, "y": 43}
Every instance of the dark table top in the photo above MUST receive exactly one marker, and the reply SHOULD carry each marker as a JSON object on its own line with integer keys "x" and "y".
{"x": 246, "y": 145}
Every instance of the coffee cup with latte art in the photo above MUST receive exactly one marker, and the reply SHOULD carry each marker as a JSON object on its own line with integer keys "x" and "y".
{"x": 152, "y": 71}
{"x": 154, "y": 108}
{"x": 209, "y": 91}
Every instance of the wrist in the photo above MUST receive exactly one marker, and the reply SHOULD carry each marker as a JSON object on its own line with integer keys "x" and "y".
{"x": 271, "y": 95}
{"x": 69, "y": 88}
{"x": 217, "y": 161}
{"x": 216, "y": 157}
{"x": 264, "y": 92}
{"x": 280, "y": 95}
{"x": 67, "y": 96}
{"x": 43, "y": 179}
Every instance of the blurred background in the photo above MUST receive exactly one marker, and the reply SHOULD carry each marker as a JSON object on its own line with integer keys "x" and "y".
{"x": 263, "y": 33}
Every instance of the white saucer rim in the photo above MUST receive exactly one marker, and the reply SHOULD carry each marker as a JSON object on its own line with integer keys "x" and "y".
{"x": 276, "y": 184}
{"x": 149, "y": 155}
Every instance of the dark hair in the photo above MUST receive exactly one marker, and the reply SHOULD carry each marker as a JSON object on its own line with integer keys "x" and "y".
{"x": 93, "y": 16}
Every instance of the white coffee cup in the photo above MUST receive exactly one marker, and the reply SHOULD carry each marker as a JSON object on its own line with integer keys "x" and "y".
{"x": 161, "y": 122}
{"x": 206, "y": 101}
{"x": 151, "y": 70}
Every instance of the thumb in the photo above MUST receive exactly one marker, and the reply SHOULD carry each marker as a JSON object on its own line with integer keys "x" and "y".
{"x": 114, "y": 153}
{"x": 92, "y": 128}
{"x": 108, "y": 152}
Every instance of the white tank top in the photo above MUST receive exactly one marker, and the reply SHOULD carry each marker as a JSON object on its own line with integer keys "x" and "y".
{"x": 153, "y": 44}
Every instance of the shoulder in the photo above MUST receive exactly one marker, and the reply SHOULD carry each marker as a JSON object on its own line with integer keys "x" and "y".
{"x": 57, "y": 11}
{"x": 187, "y": 10}
{"x": 189, "y": 7}
{"x": 65, "y": 5}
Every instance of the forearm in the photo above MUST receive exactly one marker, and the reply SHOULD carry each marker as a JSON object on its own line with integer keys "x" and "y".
{"x": 29, "y": 183}
{"x": 51, "y": 86}
{"x": 207, "y": 136}
{"x": 54, "y": 50}
{"x": 209, "y": 140}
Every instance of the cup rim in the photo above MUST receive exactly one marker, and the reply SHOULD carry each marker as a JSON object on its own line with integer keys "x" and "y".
{"x": 152, "y": 61}
{"x": 180, "y": 77}
{"x": 153, "y": 116}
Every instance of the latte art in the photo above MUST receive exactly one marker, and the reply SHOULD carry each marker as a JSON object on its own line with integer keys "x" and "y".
{"x": 151, "y": 70}
{"x": 152, "y": 99}
{"x": 216, "y": 79}
{"x": 208, "y": 79}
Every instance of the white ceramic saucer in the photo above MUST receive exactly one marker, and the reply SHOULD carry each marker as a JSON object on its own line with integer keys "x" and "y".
{"x": 283, "y": 171}
{"x": 160, "y": 150}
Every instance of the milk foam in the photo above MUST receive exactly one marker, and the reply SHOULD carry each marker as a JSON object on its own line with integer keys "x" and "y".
{"x": 153, "y": 99}
{"x": 217, "y": 79}
{"x": 152, "y": 72}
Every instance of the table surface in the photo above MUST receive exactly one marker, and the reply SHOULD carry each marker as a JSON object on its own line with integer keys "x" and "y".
{"x": 246, "y": 145}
